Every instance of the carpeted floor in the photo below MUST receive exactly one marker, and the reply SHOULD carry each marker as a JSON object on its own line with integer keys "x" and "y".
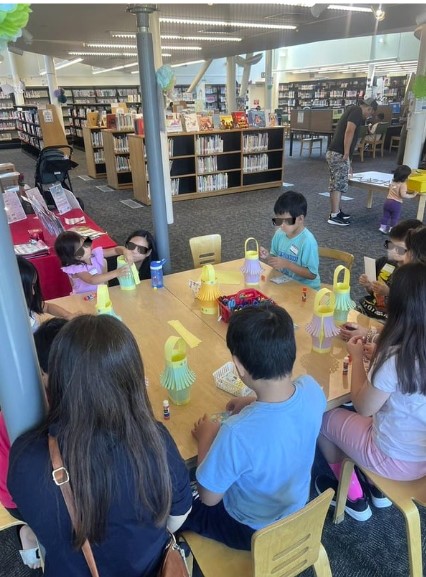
{"x": 376, "y": 548}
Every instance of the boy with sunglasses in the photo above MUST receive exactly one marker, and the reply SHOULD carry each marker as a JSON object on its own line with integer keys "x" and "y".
{"x": 374, "y": 305}
{"x": 294, "y": 249}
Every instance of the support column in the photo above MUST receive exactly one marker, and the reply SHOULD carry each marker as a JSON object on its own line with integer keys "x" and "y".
{"x": 22, "y": 398}
{"x": 416, "y": 123}
{"x": 268, "y": 80}
{"x": 246, "y": 76}
{"x": 52, "y": 83}
{"x": 199, "y": 76}
{"x": 231, "y": 88}
{"x": 151, "y": 114}
{"x": 370, "y": 80}
{"x": 19, "y": 96}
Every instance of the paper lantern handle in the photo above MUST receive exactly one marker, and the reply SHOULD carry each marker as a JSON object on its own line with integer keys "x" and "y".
{"x": 346, "y": 276}
{"x": 175, "y": 346}
{"x": 247, "y": 241}
{"x": 208, "y": 274}
{"x": 322, "y": 293}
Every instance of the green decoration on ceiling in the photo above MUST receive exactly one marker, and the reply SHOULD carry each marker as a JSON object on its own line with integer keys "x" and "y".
{"x": 419, "y": 87}
{"x": 13, "y": 17}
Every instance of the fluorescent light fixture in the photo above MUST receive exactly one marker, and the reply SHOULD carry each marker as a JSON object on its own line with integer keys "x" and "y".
{"x": 68, "y": 63}
{"x": 349, "y": 8}
{"x": 165, "y": 55}
{"x": 122, "y": 35}
{"x": 379, "y": 14}
{"x": 102, "y": 70}
{"x": 201, "y": 38}
{"x": 125, "y": 54}
{"x": 230, "y": 24}
{"x": 117, "y": 46}
{"x": 188, "y": 48}
{"x": 186, "y": 63}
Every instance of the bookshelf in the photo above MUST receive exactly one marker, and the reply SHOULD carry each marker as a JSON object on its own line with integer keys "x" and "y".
{"x": 39, "y": 127}
{"x": 394, "y": 88}
{"x": 214, "y": 163}
{"x": 117, "y": 158}
{"x": 8, "y": 132}
{"x": 95, "y": 155}
{"x": 36, "y": 96}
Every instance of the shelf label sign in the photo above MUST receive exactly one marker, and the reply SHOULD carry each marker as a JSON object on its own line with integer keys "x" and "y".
{"x": 47, "y": 116}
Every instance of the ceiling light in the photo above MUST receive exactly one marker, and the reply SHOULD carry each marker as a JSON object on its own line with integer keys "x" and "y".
{"x": 181, "y": 47}
{"x": 122, "y": 35}
{"x": 201, "y": 38}
{"x": 118, "y": 46}
{"x": 186, "y": 63}
{"x": 68, "y": 63}
{"x": 231, "y": 24}
{"x": 125, "y": 54}
{"x": 165, "y": 55}
{"x": 107, "y": 70}
{"x": 379, "y": 14}
{"x": 348, "y": 8}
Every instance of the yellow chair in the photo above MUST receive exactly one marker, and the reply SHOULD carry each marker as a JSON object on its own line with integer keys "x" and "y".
{"x": 346, "y": 257}
{"x": 403, "y": 494}
{"x": 206, "y": 249}
{"x": 285, "y": 548}
{"x": 7, "y": 520}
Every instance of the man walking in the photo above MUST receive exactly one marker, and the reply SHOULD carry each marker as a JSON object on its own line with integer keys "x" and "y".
{"x": 340, "y": 152}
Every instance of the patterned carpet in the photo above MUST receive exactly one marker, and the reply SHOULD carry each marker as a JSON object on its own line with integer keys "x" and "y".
{"x": 376, "y": 548}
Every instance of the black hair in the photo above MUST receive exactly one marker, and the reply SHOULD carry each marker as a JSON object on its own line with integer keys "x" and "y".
{"x": 381, "y": 116}
{"x": 401, "y": 173}
{"x": 43, "y": 339}
{"x": 66, "y": 245}
{"x": 292, "y": 202}
{"x": 144, "y": 271}
{"x": 404, "y": 333}
{"x": 416, "y": 244}
{"x": 262, "y": 338}
{"x": 400, "y": 230}
{"x": 31, "y": 285}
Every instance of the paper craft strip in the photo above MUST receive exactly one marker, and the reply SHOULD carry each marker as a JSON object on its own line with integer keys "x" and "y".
{"x": 190, "y": 339}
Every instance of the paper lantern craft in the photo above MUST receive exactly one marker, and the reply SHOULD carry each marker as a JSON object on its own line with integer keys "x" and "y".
{"x": 103, "y": 302}
{"x": 129, "y": 281}
{"x": 342, "y": 293}
{"x": 322, "y": 327}
{"x": 251, "y": 268}
{"x": 209, "y": 291}
{"x": 177, "y": 377}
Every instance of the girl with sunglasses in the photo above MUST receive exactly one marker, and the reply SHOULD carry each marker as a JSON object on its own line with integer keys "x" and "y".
{"x": 142, "y": 245}
{"x": 87, "y": 267}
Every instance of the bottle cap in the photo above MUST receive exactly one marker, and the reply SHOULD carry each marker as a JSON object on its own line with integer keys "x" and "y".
{"x": 165, "y": 403}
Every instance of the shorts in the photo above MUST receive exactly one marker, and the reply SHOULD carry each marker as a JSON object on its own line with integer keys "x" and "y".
{"x": 339, "y": 171}
{"x": 353, "y": 434}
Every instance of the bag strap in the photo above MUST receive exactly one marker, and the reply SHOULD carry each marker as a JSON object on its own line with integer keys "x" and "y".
{"x": 61, "y": 478}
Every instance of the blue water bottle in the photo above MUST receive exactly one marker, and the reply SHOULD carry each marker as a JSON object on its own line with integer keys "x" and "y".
{"x": 156, "y": 267}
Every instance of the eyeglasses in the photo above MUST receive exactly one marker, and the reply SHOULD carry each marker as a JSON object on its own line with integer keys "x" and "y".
{"x": 279, "y": 221}
{"x": 87, "y": 242}
{"x": 389, "y": 245}
{"x": 138, "y": 247}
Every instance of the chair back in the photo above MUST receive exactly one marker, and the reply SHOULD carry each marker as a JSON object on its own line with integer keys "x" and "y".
{"x": 291, "y": 545}
{"x": 206, "y": 249}
{"x": 7, "y": 520}
{"x": 346, "y": 257}
{"x": 382, "y": 129}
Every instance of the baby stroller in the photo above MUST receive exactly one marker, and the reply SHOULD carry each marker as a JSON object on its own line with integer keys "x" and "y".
{"x": 53, "y": 165}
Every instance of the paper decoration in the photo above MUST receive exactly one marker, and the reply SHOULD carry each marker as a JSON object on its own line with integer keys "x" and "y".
{"x": 13, "y": 207}
{"x": 370, "y": 268}
{"x": 190, "y": 339}
{"x": 252, "y": 268}
{"x": 130, "y": 280}
{"x": 177, "y": 377}
{"x": 342, "y": 290}
{"x": 322, "y": 327}
{"x": 103, "y": 302}
{"x": 209, "y": 292}
{"x": 63, "y": 198}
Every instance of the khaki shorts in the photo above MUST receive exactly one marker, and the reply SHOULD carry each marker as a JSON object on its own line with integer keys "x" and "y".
{"x": 339, "y": 171}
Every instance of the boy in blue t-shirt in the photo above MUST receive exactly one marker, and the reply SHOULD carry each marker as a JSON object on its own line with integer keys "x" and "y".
{"x": 255, "y": 468}
{"x": 294, "y": 249}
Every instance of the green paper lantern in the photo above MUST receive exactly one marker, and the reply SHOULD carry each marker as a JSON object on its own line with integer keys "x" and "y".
{"x": 13, "y": 17}
{"x": 419, "y": 87}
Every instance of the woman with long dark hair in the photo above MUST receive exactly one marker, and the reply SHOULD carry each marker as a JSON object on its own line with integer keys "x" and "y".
{"x": 128, "y": 479}
{"x": 144, "y": 251}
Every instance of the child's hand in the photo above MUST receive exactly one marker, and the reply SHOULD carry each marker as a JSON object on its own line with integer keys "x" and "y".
{"x": 237, "y": 404}
{"x": 369, "y": 349}
{"x": 277, "y": 262}
{"x": 263, "y": 253}
{"x": 349, "y": 330}
{"x": 380, "y": 288}
{"x": 363, "y": 281}
{"x": 123, "y": 271}
{"x": 355, "y": 347}
{"x": 128, "y": 256}
{"x": 205, "y": 429}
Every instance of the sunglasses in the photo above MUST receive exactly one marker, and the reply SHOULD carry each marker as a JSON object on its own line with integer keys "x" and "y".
{"x": 138, "y": 247}
{"x": 279, "y": 221}
{"x": 398, "y": 249}
{"x": 87, "y": 243}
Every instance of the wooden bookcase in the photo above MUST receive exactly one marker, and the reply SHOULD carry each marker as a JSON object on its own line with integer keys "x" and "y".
{"x": 39, "y": 127}
{"x": 117, "y": 159}
{"x": 8, "y": 133}
{"x": 214, "y": 163}
{"x": 95, "y": 155}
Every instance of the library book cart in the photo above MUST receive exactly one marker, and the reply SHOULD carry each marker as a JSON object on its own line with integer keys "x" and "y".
{"x": 214, "y": 163}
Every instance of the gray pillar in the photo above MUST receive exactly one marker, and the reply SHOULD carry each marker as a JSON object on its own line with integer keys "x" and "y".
{"x": 246, "y": 75}
{"x": 22, "y": 399}
{"x": 151, "y": 114}
{"x": 19, "y": 96}
{"x": 231, "y": 87}
{"x": 199, "y": 75}
{"x": 268, "y": 80}
{"x": 52, "y": 84}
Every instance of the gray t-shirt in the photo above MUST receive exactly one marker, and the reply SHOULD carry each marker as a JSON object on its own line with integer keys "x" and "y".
{"x": 353, "y": 114}
{"x": 399, "y": 427}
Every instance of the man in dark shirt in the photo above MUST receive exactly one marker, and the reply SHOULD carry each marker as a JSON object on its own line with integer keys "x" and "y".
{"x": 340, "y": 152}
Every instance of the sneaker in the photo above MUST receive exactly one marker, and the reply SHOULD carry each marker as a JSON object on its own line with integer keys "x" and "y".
{"x": 344, "y": 215}
{"x": 376, "y": 496}
{"x": 339, "y": 220}
{"x": 358, "y": 509}
{"x": 383, "y": 229}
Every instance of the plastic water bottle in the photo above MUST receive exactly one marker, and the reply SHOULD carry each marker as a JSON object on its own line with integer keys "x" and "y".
{"x": 156, "y": 267}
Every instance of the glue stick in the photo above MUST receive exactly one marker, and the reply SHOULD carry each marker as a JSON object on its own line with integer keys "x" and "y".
{"x": 345, "y": 365}
{"x": 166, "y": 409}
{"x": 304, "y": 294}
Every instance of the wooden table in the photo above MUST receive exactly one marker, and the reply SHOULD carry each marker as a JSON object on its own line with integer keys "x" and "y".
{"x": 372, "y": 181}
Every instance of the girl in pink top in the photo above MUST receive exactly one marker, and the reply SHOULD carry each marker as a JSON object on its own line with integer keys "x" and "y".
{"x": 85, "y": 267}
{"x": 393, "y": 203}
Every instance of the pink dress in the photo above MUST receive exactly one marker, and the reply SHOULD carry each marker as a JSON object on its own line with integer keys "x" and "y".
{"x": 95, "y": 267}
{"x": 5, "y": 497}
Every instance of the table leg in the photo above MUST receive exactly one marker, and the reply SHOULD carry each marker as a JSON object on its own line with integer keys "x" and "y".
{"x": 370, "y": 198}
{"x": 421, "y": 208}
{"x": 291, "y": 143}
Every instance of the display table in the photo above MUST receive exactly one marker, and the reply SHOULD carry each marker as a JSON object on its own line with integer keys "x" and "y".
{"x": 54, "y": 282}
{"x": 372, "y": 181}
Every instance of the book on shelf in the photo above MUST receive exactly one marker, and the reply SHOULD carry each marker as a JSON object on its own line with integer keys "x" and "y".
{"x": 29, "y": 249}
{"x": 256, "y": 118}
{"x": 272, "y": 118}
{"x": 239, "y": 119}
{"x": 139, "y": 125}
{"x": 173, "y": 122}
{"x": 216, "y": 120}
{"x": 205, "y": 122}
{"x": 226, "y": 122}
{"x": 190, "y": 122}
{"x": 111, "y": 121}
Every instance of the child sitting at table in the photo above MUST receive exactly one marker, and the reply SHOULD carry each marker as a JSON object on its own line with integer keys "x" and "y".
{"x": 33, "y": 296}
{"x": 375, "y": 304}
{"x": 387, "y": 433}
{"x": 294, "y": 249}
{"x": 393, "y": 203}
{"x": 255, "y": 468}
{"x": 86, "y": 267}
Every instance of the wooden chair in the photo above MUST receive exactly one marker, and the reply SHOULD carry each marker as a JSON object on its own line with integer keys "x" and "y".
{"x": 360, "y": 145}
{"x": 284, "y": 549}
{"x": 403, "y": 494}
{"x": 310, "y": 141}
{"x": 378, "y": 143}
{"x": 206, "y": 249}
{"x": 394, "y": 143}
{"x": 346, "y": 257}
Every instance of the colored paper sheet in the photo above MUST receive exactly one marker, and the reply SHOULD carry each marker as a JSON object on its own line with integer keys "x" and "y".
{"x": 190, "y": 339}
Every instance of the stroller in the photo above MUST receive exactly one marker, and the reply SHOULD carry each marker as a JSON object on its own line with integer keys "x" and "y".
{"x": 53, "y": 165}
